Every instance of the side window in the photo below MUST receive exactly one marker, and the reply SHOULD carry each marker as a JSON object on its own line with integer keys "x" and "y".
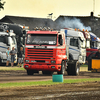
{"x": 59, "y": 39}
{"x": 74, "y": 42}
{"x": 91, "y": 44}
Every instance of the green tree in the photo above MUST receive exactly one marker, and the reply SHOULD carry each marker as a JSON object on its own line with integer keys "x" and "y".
{"x": 2, "y": 4}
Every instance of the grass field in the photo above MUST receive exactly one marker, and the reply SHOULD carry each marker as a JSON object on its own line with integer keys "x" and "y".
{"x": 84, "y": 65}
{"x": 37, "y": 83}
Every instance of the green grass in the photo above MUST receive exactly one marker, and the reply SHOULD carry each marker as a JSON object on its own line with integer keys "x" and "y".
{"x": 20, "y": 84}
{"x": 84, "y": 65}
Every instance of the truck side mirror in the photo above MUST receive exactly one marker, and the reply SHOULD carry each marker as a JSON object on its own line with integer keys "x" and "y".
{"x": 61, "y": 41}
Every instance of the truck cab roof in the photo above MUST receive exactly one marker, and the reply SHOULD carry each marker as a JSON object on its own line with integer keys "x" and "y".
{"x": 42, "y": 32}
{"x": 73, "y": 33}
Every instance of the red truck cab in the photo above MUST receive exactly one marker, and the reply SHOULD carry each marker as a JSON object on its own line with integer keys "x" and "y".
{"x": 45, "y": 51}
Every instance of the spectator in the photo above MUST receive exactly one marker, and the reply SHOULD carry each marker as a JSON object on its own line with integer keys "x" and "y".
{"x": 97, "y": 55}
{"x": 12, "y": 53}
{"x": 20, "y": 58}
{"x": 8, "y": 56}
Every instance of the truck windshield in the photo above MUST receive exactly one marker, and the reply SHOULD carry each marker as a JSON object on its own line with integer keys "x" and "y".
{"x": 42, "y": 39}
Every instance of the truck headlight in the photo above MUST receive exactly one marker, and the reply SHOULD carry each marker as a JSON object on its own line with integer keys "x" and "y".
{"x": 26, "y": 60}
{"x": 53, "y": 61}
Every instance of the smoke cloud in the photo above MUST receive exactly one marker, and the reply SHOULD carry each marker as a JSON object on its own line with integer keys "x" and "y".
{"x": 73, "y": 23}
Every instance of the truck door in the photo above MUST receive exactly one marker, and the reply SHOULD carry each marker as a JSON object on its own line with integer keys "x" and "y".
{"x": 74, "y": 48}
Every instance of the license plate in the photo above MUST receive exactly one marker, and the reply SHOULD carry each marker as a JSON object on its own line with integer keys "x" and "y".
{"x": 40, "y": 47}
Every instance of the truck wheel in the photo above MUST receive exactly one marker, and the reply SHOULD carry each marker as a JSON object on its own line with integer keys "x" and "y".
{"x": 30, "y": 72}
{"x": 47, "y": 72}
{"x": 62, "y": 71}
{"x": 73, "y": 68}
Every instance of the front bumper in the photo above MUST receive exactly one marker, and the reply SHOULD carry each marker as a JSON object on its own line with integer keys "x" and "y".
{"x": 43, "y": 67}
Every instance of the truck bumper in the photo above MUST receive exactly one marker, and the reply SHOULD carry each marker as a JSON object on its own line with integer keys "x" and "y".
{"x": 43, "y": 67}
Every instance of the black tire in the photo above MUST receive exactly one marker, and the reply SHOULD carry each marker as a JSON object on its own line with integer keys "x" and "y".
{"x": 30, "y": 72}
{"x": 62, "y": 71}
{"x": 73, "y": 68}
{"x": 47, "y": 72}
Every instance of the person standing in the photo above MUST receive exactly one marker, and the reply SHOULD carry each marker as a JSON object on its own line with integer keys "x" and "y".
{"x": 8, "y": 56}
{"x": 20, "y": 56}
{"x": 12, "y": 53}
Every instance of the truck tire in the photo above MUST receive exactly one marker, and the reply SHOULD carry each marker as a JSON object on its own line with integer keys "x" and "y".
{"x": 62, "y": 71}
{"x": 30, "y": 72}
{"x": 73, "y": 68}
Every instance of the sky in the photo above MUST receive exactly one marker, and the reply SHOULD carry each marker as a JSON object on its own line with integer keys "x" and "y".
{"x": 41, "y": 8}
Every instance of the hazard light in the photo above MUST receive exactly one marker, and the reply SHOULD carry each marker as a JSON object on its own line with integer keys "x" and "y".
{"x": 75, "y": 29}
{"x": 25, "y": 27}
{"x": 7, "y": 31}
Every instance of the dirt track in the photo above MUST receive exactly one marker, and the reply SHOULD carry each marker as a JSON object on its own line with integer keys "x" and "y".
{"x": 21, "y": 76}
{"x": 80, "y": 91}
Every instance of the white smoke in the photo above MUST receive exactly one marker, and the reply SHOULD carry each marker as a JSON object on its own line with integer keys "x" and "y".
{"x": 74, "y": 23}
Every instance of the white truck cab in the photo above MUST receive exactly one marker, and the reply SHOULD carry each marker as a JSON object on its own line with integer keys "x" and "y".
{"x": 77, "y": 45}
{"x": 7, "y": 40}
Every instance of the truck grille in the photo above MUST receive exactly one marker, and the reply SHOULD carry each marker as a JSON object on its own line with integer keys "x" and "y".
{"x": 40, "y": 53}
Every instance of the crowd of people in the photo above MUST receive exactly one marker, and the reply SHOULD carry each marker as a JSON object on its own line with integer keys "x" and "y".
{"x": 11, "y": 56}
